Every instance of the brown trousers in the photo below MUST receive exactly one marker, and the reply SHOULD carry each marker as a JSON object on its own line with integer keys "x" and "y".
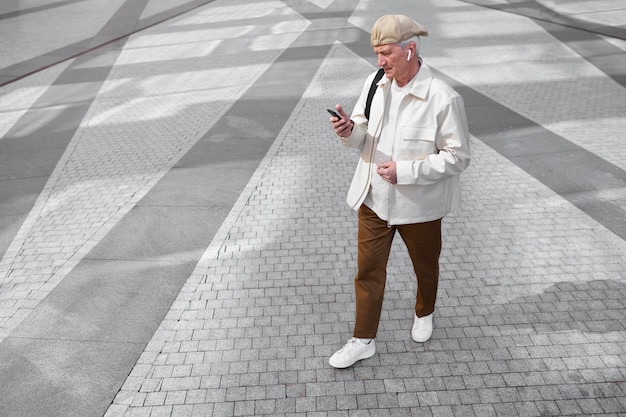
{"x": 423, "y": 241}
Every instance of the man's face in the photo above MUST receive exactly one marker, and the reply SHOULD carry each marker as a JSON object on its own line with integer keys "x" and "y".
{"x": 392, "y": 58}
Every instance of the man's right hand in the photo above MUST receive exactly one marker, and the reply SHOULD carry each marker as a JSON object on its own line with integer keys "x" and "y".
{"x": 343, "y": 126}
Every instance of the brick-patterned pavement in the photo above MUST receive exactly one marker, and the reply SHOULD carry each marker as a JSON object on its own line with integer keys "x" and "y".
{"x": 529, "y": 320}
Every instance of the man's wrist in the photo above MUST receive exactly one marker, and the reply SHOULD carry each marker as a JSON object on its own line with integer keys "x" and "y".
{"x": 351, "y": 127}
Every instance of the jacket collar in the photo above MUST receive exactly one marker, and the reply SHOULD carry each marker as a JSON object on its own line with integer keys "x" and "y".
{"x": 420, "y": 84}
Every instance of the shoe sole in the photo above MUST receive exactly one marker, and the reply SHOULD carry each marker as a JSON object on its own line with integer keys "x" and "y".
{"x": 415, "y": 339}
{"x": 366, "y": 355}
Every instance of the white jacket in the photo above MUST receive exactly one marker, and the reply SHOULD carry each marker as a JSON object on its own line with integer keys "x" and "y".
{"x": 431, "y": 149}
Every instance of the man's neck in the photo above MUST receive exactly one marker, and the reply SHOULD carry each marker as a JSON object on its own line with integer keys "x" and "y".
{"x": 410, "y": 75}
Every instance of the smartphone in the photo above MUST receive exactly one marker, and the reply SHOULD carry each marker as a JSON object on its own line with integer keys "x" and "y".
{"x": 333, "y": 113}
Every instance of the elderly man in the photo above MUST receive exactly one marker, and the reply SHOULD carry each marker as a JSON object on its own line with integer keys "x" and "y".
{"x": 414, "y": 144}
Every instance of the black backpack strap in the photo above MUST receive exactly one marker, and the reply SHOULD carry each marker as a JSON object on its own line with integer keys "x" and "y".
{"x": 370, "y": 94}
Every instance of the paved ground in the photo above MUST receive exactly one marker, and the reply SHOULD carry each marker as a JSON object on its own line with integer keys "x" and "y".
{"x": 174, "y": 236}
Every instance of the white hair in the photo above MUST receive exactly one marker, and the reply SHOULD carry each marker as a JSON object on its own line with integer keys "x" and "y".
{"x": 406, "y": 43}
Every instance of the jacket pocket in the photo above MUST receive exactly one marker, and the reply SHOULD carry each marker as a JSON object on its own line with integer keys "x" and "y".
{"x": 416, "y": 143}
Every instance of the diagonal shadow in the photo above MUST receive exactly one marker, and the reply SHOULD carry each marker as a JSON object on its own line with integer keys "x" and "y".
{"x": 597, "y": 306}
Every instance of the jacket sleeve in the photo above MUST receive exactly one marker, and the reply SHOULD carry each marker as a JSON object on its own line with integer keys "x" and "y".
{"x": 452, "y": 154}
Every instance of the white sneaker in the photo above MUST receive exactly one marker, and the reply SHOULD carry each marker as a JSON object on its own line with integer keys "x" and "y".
{"x": 422, "y": 328}
{"x": 352, "y": 352}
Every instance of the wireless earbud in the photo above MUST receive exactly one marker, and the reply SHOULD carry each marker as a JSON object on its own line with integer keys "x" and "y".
{"x": 408, "y": 57}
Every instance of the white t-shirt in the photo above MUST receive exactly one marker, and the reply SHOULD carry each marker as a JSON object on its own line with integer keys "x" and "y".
{"x": 378, "y": 196}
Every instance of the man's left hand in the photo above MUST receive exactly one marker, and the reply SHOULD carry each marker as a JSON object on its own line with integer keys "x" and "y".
{"x": 387, "y": 171}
